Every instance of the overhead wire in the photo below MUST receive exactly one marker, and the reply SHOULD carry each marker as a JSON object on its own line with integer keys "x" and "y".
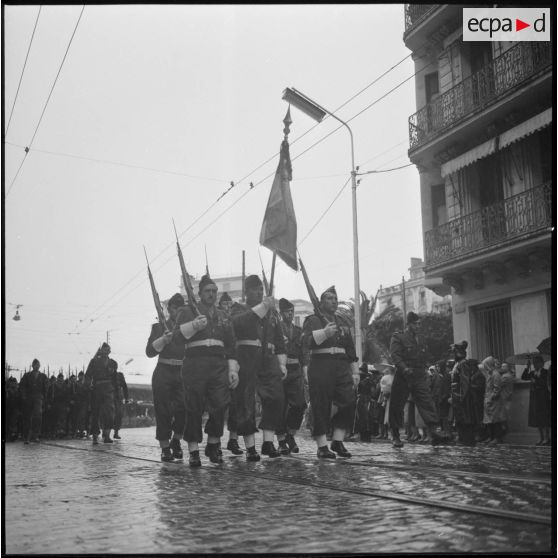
{"x": 252, "y": 186}
{"x": 23, "y": 70}
{"x": 27, "y": 148}
{"x": 234, "y": 184}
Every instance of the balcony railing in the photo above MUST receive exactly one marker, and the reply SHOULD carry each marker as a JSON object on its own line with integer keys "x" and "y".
{"x": 493, "y": 81}
{"x": 514, "y": 217}
{"x": 415, "y": 13}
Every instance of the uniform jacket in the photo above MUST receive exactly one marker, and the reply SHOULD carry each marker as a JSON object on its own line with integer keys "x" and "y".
{"x": 467, "y": 390}
{"x": 174, "y": 350}
{"x": 99, "y": 371}
{"x": 219, "y": 326}
{"x": 407, "y": 350}
{"x": 121, "y": 386}
{"x": 342, "y": 339}
{"x": 292, "y": 335}
{"x": 32, "y": 387}
{"x": 249, "y": 326}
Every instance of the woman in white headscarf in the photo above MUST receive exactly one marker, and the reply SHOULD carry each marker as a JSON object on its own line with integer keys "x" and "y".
{"x": 494, "y": 407}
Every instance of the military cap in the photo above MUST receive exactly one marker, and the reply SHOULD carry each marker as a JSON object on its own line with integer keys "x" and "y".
{"x": 204, "y": 281}
{"x": 253, "y": 281}
{"x": 104, "y": 346}
{"x": 60, "y": 375}
{"x": 412, "y": 318}
{"x": 330, "y": 290}
{"x": 175, "y": 300}
{"x": 284, "y": 304}
{"x": 225, "y": 298}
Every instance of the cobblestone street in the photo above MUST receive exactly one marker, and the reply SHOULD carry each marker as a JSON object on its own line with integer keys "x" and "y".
{"x": 72, "y": 497}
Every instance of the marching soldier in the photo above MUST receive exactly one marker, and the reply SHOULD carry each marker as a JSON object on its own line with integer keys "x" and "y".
{"x": 100, "y": 376}
{"x": 33, "y": 389}
{"x": 293, "y": 384}
{"x": 209, "y": 370}
{"x": 82, "y": 406}
{"x": 332, "y": 373}
{"x": 263, "y": 366}
{"x": 225, "y": 304}
{"x": 120, "y": 394}
{"x": 60, "y": 406}
{"x": 167, "y": 385}
{"x": 13, "y": 409}
{"x": 408, "y": 354}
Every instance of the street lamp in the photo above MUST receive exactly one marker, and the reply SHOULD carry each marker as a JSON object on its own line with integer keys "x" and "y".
{"x": 317, "y": 112}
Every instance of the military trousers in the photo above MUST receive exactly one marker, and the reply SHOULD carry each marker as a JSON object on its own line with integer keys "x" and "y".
{"x": 168, "y": 401}
{"x": 118, "y": 408}
{"x": 415, "y": 383}
{"x": 330, "y": 383}
{"x": 232, "y": 421}
{"x": 294, "y": 401}
{"x": 102, "y": 407}
{"x": 264, "y": 376}
{"x": 206, "y": 382}
{"x": 33, "y": 412}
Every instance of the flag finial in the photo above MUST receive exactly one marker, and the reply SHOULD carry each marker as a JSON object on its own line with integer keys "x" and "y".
{"x": 287, "y": 121}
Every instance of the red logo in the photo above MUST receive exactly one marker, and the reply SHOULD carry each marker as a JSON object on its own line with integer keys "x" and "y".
{"x": 519, "y": 25}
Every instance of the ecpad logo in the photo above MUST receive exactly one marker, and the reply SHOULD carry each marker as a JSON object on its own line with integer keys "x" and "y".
{"x": 506, "y": 24}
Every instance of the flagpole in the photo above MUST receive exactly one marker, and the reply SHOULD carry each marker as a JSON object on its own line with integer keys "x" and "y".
{"x": 272, "y": 273}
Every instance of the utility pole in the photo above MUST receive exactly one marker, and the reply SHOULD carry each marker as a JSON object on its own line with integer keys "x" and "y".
{"x": 404, "y": 301}
{"x": 243, "y": 274}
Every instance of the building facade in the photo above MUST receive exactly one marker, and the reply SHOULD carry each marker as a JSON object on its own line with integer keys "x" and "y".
{"x": 419, "y": 297}
{"x": 482, "y": 142}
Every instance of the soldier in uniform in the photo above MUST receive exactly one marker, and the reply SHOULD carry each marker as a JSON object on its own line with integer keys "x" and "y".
{"x": 60, "y": 406}
{"x": 331, "y": 369}
{"x": 12, "y": 405}
{"x": 100, "y": 376}
{"x": 167, "y": 385}
{"x": 209, "y": 370}
{"x": 82, "y": 406}
{"x": 33, "y": 389}
{"x": 120, "y": 394}
{"x": 49, "y": 411}
{"x": 293, "y": 384}
{"x": 408, "y": 354}
{"x": 263, "y": 366}
{"x": 225, "y": 304}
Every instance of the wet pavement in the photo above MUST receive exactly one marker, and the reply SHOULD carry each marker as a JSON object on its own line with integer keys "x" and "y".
{"x": 71, "y": 497}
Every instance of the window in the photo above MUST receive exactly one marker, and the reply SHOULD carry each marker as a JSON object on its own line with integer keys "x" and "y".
{"x": 493, "y": 331}
{"x": 439, "y": 214}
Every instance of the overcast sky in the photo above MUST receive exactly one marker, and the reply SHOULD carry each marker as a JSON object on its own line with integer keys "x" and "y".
{"x": 155, "y": 111}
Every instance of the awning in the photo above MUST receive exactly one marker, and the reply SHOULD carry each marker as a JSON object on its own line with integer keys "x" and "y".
{"x": 487, "y": 148}
{"x": 480, "y": 151}
{"x": 525, "y": 128}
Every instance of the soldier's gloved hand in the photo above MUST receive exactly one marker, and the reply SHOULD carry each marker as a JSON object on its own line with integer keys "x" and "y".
{"x": 199, "y": 322}
{"x": 233, "y": 373}
{"x": 161, "y": 342}
{"x": 282, "y": 358}
{"x": 330, "y": 329}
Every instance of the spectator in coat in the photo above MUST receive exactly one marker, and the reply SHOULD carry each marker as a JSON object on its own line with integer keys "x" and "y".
{"x": 508, "y": 379}
{"x": 539, "y": 399}
{"x": 494, "y": 411}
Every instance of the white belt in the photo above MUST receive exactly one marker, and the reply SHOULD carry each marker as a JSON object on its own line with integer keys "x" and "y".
{"x": 330, "y": 351}
{"x": 292, "y": 361}
{"x": 205, "y": 343}
{"x": 171, "y": 361}
{"x": 254, "y": 343}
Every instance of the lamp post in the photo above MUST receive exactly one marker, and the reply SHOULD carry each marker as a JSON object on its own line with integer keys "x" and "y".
{"x": 317, "y": 112}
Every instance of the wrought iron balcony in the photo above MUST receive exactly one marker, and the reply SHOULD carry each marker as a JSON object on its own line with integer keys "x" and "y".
{"x": 415, "y": 13}
{"x": 496, "y": 79}
{"x": 515, "y": 217}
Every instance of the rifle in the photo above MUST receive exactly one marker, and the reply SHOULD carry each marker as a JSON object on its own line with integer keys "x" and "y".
{"x": 186, "y": 278}
{"x": 312, "y": 294}
{"x": 206, "y": 264}
{"x": 156, "y": 299}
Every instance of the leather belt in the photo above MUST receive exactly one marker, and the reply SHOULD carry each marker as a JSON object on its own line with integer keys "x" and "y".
{"x": 205, "y": 343}
{"x": 254, "y": 343}
{"x": 330, "y": 351}
{"x": 292, "y": 361}
{"x": 171, "y": 361}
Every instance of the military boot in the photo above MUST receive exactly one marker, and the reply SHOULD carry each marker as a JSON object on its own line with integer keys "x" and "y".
{"x": 116, "y": 436}
{"x": 176, "y": 449}
{"x": 252, "y": 454}
{"x": 269, "y": 449}
{"x": 284, "y": 447}
{"x": 324, "y": 453}
{"x": 213, "y": 451}
{"x": 292, "y": 443}
{"x": 194, "y": 460}
{"x": 166, "y": 455}
{"x": 338, "y": 447}
{"x": 396, "y": 442}
{"x": 95, "y": 439}
{"x": 233, "y": 447}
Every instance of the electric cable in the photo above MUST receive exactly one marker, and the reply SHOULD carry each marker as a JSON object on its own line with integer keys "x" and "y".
{"x": 23, "y": 70}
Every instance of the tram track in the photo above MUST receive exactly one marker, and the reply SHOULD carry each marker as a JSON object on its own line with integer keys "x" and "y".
{"x": 383, "y": 494}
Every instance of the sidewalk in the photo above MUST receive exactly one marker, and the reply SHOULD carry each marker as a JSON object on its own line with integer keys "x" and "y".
{"x": 72, "y": 497}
